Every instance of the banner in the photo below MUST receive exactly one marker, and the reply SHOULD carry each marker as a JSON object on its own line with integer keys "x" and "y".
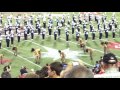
{"x": 114, "y": 45}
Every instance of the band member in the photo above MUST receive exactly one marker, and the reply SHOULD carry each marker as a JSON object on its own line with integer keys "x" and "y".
{"x": 18, "y": 35}
{"x": 73, "y": 27}
{"x": 84, "y": 26}
{"x": 67, "y": 34}
{"x": 98, "y": 26}
{"x": 91, "y": 27}
{"x": 93, "y": 35}
{"x": 12, "y": 37}
{"x": 55, "y": 33}
{"x": 5, "y": 28}
{"x": 68, "y": 18}
{"x": 32, "y": 33}
{"x": 31, "y": 20}
{"x": 59, "y": 29}
{"x": 113, "y": 32}
{"x": 106, "y": 33}
{"x": 50, "y": 29}
{"x": 43, "y": 33}
{"x": 100, "y": 33}
{"x": 1, "y": 58}
{"x": 14, "y": 49}
{"x": 16, "y": 27}
{"x": 116, "y": 25}
{"x": 86, "y": 35}
{"x": 110, "y": 25}
{"x": 1, "y": 20}
{"x": 25, "y": 21}
{"x": 77, "y": 35}
{"x": 78, "y": 27}
{"x": 44, "y": 22}
{"x": 28, "y": 29}
{"x": 37, "y": 54}
{"x": 80, "y": 19}
{"x": 8, "y": 39}
{"x": 9, "y": 29}
{"x": 63, "y": 21}
{"x": 57, "y": 21}
{"x": 38, "y": 28}
{"x": 90, "y": 51}
{"x": 0, "y": 41}
{"x": 62, "y": 55}
{"x": 90, "y": 17}
{"x": 25, "y": 33}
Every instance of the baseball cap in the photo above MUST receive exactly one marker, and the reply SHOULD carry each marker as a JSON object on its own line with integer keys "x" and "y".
{"x": 110, "y": 58}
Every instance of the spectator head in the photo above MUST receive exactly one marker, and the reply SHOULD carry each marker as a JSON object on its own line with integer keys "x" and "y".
{"x": 109, "y": 60}
{"x": 6, "y": 71}
{"x": 7, "y": 68}
{"x": 55, "y": 69}
{"x": 23, "y": 70}
{"x": 79, "y": 72}
{"x": 43, "y": 72}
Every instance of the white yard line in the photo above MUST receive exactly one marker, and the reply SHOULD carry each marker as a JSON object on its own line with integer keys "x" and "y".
{"x": 89, "y": 47}
{"x": 23, "y": 58}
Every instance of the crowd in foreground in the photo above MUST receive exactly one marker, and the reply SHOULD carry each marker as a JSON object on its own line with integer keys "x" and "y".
{"x": 107, "y": 67}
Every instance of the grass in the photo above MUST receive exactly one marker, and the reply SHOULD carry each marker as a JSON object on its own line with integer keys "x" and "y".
{"x": 24, "y": 48}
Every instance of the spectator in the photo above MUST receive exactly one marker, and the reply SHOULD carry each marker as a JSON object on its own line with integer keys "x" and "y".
{"x": 6, "y": 72}
{"x": 110, "y": 67}
{"x": 79, "y": 72}
{"x": 23, "y": 72}
{"x": 43, "y": 73}
{"x": 54, "y": 70}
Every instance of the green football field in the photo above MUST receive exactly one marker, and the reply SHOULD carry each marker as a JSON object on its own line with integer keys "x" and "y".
{"x": 49, "y": 49}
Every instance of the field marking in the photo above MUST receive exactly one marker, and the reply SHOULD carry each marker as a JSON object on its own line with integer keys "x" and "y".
{"x": 89, "y": 47}
{"x": 41, "y": 45}
{"x": 23, "y": 58}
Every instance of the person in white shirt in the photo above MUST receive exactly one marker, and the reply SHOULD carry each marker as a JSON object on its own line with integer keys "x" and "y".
{"x": 110, "y": 66}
